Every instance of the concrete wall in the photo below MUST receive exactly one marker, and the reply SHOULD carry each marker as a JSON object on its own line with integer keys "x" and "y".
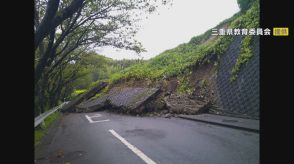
{"x": 240, "y": 97}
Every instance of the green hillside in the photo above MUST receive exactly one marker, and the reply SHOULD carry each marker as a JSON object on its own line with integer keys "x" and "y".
{"x": 180, "y": 60}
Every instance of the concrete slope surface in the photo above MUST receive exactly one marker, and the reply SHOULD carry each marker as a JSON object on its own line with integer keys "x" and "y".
{"x": 130, "y": 98}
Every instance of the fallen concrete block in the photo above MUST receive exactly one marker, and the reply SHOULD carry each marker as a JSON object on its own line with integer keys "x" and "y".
{"x": 71, "y": 105}
{"x": 127, "y": 99}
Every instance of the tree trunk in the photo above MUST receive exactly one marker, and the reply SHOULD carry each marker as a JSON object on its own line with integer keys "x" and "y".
{"x": 42, "y": 30}
{"x": 51, "y": 20}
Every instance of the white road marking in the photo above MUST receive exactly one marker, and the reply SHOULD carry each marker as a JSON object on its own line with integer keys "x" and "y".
{"x": 133, "y": 148}
{"x": 97, "y": 115}
{"x": 89, "y": 118}
{"x": 100, "y": 121}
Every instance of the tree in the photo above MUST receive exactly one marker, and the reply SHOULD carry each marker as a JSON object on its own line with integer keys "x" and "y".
{"x": 65, "y": 29}
{"x": 52, "y": 19}
{"x": 244, "y": 4}
{"x": 89, "y": 23}
{"x": 57, "y": 84}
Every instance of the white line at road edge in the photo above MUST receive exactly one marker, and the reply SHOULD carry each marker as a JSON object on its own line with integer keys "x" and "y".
{"x": 133, "y": 148}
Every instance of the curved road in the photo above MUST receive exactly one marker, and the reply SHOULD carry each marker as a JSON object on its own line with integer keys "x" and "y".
{"x": 102, "y": 137}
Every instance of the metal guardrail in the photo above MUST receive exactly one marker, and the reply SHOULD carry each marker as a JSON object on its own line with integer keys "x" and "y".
{"x": 39, "y": 119}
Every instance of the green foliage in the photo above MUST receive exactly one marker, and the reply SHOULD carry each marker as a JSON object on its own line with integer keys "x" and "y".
{"x": 180, "y": 60}
{"x": 96, "y": 68}
{"x": 203, "y": 83}
{"x": 245, "y": 55}
{"x": 244, "y": 4}
{"x": 77, "y": 92}
{"x": 198, "y": 39}
{"x": 41, "y": 131}
{"x": 184, "y": 86}
{"x": 38, "y": 136}
{"x": 91, "y": 24}
{"x": 174, "y": 61}
{"x": 249, "y": 20}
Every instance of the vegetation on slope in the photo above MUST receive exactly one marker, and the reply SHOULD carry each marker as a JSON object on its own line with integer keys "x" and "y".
{"x": 245, "y": 55}
{"x": 251, "y": 21}
{"x": 65, "y": 30}
{"x": 97, "y": 68}
{"x": 175, "y": 61}
{"x": 180, "y": 60}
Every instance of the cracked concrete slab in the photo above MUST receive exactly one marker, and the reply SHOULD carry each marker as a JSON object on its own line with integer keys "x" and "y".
{"x": 130, "y": 98}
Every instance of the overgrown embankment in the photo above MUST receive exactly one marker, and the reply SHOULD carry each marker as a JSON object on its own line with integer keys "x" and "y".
{"x": 186, "y": 74}
{"x": 180, "y": 61}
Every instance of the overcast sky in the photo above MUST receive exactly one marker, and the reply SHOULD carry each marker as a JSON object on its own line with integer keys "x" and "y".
{"x": 176, "y": 25}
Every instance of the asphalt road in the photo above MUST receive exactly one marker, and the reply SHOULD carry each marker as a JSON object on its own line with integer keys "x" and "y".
{"x": 109, "y": 138}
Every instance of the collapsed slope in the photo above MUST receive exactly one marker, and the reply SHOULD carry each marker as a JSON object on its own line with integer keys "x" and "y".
{"x": 186, "y": 75}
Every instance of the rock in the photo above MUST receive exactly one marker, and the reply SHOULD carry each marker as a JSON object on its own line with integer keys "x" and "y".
{"x": 168, "y": 115}
{"x": 164, "y": 111}
{"x": 167, "y": 93}
{"x": 184, "y": 105}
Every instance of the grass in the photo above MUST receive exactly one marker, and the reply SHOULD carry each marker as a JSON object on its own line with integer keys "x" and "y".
{"x": 245, "y": 55}
{"x": 249, "y": 20}
{"x": 185, "y": 86}
{"x": 179, "y": 61}
{"x": 173, "y": 62}
{"x": 42, "y": 129}
{"x": 78, "y": 92}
